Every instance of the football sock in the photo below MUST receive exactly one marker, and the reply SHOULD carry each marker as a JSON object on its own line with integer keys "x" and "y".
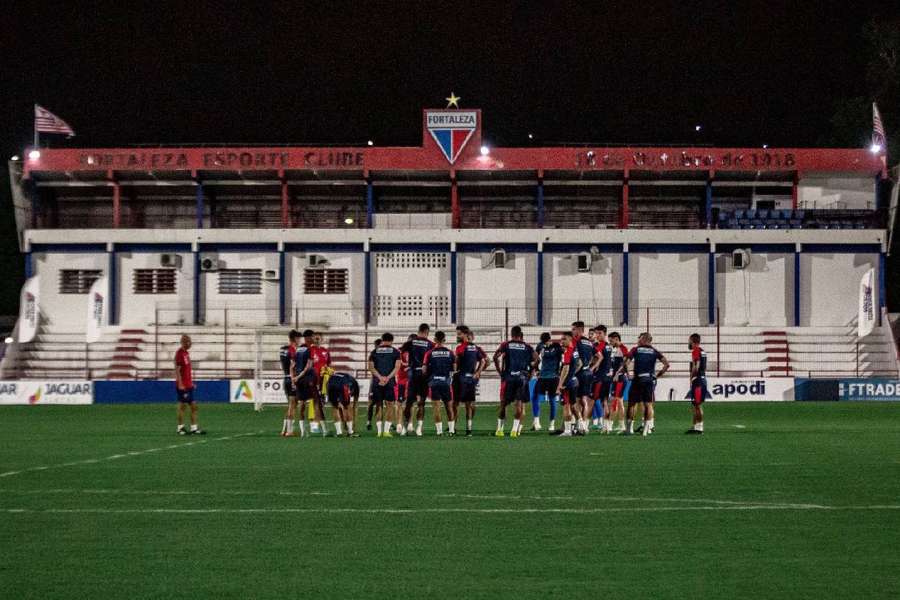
{"x": 419, "y": 428}
{"x": 698, "y": 426}
{"x": 439, "y": 427}
{"x": 499, "y": 424}
{"x": 180, "y": 428}
{"x": 284, "y": 426}
{"x": 350, "y": 427}
{"x": 553, "y": 400}
{"x": 537, "y": 422}
{"x": 337, "y": 428}
{"x": 570, "y": 424}
{"x": 516, "y": 425}
{"x": 630, "y": 426}
{"x": 369, "y": 413}
{"x": 387, "y": 426}
{"x": 535, "y": 405}
{"x": 597, "y": 412}
{"x": 469, "y": 424}
{"x": 302, "y": 425}
{"x": 552, "y": 424}
{"x": 378, "y": 427}
{"x": 451, "y": 426}
{"x": 194, "y": 428}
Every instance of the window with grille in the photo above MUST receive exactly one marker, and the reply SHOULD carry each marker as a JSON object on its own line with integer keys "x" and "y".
{"x": 325, "y": 281}
{"x": 154, "y": 281}
{"x": 409, "y": 306}
{"x": 77, "y": 281}
{"x": 411, "y": 260}
{"x": 384, "y": 306}
{"x": 240, "y": 281}
{"x": 438, "y": 305}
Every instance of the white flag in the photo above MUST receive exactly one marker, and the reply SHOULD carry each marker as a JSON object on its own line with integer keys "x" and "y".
{"x": 97, "y": 309}
{"x": 29, "y": 309}
{"x": 867, "y": 303}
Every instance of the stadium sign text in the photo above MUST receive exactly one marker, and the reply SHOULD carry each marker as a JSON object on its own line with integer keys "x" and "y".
{"x": 685, "y": 160}
{"x": 46, "y": 392}
{"x": 869, "y": 389}
{"x": 729, "y": 389}
{"x": 148, "y": 160}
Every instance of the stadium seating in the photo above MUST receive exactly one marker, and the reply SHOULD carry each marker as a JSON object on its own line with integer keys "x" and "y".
{"x": 147, "y": 353}
{"x": 796, "y": 219}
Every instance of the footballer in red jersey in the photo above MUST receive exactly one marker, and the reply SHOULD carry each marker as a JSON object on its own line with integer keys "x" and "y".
{"x": 184, "y": 386}
{"x": 698, "y": 392}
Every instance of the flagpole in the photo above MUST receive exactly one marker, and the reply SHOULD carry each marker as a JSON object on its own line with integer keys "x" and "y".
{"x": 36, "y": 134}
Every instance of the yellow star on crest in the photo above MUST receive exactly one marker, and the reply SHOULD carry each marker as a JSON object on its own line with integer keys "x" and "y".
{"x": 453, "y": 101}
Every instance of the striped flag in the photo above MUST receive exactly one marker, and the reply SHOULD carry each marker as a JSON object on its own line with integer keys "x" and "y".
{"x": 46, "y": 122}
{"x": 878, "y": 137}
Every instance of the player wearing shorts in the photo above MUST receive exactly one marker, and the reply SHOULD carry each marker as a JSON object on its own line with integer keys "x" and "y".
{"x": 550, "y": 354}
{"x": 619, "y": 382}
{"x": 645, "y": 375}
{"x": 304, "y": 379}
{"x": 184, "y": 387}
{"x": 568, "y": 387}
{"x": 470, "y": 362}
{"x": 439, "y": 364}
{"x": 585, "y": 347}
{"x": 286, "y": 358}
{"x": 339, "y": 390}
{"x": 371, "y": 403}
{"x": 698, "y": 392}
{"x": 384, "y": 362}
{"x": 417, "y": 388}
{"x": 602, "y": 378}
{"x": 403, "y": 409}
{"x": 518, "y": 361}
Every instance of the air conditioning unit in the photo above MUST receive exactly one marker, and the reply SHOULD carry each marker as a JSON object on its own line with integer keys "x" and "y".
{"x": 498, "y": 258}
{"x": 271, "y": 275}
{"x": 209, "y": 264}
{"x": 583, "y": 261}
{"x": 316, "y": 260}
{"x": 169, "y": 260}
{"x": 740, "y": 259}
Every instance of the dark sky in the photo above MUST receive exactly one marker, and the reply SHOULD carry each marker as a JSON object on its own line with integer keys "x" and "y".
{"x": 330, "y": 72}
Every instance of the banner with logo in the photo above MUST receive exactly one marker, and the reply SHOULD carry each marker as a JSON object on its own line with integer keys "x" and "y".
{"x": 268, "y": 391}
{"x": 869, "y": 389}
{"x": 46, "y": 392}
{"x": 867, "y": 303}
{"x": 730, "y": 389}
{"x": 29, "y": 309}
{"x": 97, "y": 309}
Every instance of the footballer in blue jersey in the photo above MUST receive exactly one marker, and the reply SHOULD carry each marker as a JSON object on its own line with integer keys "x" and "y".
{"x": 568, "y": 387}
{"x": 417, "y": 386}
{"x": 514, "y": 360}
{"x": 584, "y": 345}
{"x": 698, "y": 392}
{"x": 550, "y": 354}
{"x": 384, "y": 362}
{"x": 620, "y": 382}
{"x": 286, "y": 358}
{"x": 602, "y": 378}
{"x": 439, "y": 364}
{"x": 644, "y": 356}
{"x": 470, "y": 362}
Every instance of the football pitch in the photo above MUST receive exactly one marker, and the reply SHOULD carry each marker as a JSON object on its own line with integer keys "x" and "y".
{"x": 779, "y": 500}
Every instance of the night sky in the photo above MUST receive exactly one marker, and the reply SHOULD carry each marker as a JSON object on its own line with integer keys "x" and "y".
{"x": 328, "y": 72}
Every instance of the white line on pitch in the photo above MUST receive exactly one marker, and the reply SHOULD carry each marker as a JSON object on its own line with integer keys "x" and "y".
{"x": 89, "y": 461}
{"x": 407, "y": 511}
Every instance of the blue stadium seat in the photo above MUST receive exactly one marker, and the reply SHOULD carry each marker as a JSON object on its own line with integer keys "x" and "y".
{"x": 739, "y": 214}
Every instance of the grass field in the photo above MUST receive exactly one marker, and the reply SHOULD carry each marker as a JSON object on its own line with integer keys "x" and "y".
{"x": 793, "y": 500}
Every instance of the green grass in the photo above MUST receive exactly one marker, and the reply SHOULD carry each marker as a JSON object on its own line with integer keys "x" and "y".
{"x": 763, "y": 511}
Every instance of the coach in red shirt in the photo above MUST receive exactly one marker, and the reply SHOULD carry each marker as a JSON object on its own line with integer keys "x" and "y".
{"x": 184, "y": 386}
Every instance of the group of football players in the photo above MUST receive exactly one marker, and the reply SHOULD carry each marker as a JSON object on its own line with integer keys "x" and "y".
{"x": 591, "y": 373}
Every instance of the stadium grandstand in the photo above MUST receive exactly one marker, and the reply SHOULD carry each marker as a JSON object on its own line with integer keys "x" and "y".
{"x": 760, "y": 250}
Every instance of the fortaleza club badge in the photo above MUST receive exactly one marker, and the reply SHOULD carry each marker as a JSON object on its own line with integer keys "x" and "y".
{"x": 451, "y": 130}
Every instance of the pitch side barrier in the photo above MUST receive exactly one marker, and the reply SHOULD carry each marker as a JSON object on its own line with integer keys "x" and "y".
{"x": 848, "y": 390}
{"x": 270, "y": 391}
